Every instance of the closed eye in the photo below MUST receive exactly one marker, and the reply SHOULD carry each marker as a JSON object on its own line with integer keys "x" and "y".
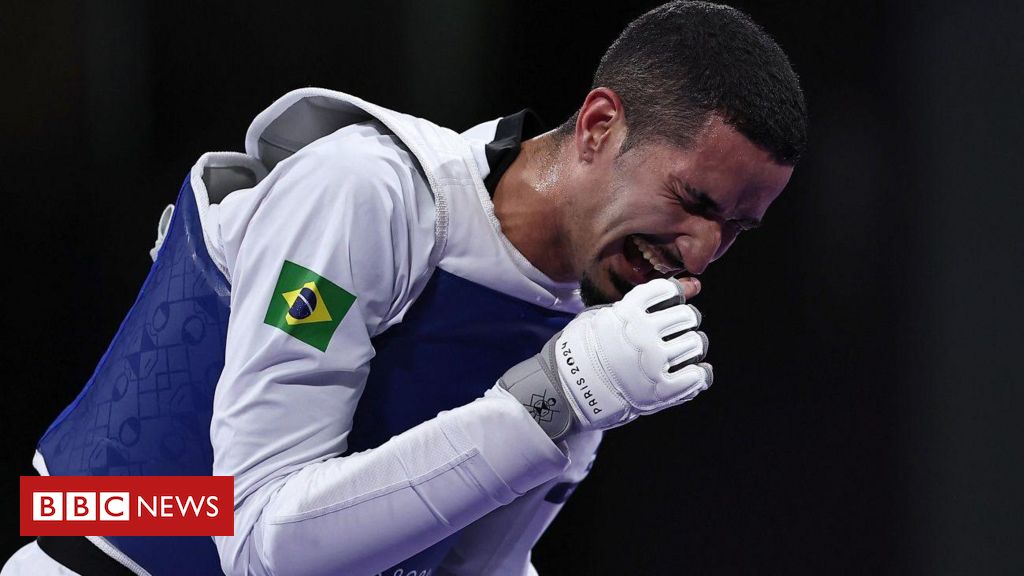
{"x": 698, "y": 202}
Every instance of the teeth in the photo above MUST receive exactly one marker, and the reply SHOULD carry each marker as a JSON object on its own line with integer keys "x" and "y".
{"x": 651, "y": 255}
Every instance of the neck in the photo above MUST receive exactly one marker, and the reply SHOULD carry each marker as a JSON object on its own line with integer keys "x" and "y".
{"x": 529, "y": 204}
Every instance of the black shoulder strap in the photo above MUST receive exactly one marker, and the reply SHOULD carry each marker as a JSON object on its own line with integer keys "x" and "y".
{"x": 81, "y": 555}
{"x": 508, "y": 137}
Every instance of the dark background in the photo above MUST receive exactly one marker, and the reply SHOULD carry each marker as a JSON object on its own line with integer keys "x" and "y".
{"x": 865, "y": 415}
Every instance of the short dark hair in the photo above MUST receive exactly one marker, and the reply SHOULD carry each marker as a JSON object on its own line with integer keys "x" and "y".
{"x": 682, "y": 61}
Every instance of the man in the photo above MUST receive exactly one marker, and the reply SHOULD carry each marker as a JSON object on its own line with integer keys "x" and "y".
{"x": 335, "y": 306}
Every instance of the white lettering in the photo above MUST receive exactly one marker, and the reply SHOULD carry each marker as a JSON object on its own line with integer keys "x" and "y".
{"x": 190, "y": 503}
{"x": 211, "y": 502}
{"x": 167, "y": 506}
{"x": 144, "y": 504}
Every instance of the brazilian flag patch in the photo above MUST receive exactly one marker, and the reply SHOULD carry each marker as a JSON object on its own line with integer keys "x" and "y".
{"x": 307, "y": 305}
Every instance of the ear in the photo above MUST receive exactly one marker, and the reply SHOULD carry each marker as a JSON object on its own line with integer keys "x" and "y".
{"x": 600, "y": 125}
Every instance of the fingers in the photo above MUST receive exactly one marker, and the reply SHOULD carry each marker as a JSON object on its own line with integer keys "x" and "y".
{"x": 671, "y": 323}
{"x": 691, "y": 287}
{"x": 658, "y": 319}
{"x": 687, "y": 382}
{"x": 659, "y": 306}
{"x": 662, "y": 293}
{"x": 654, "y": 295}
{"x": 689, "y": 348}
{"x": 701, "y": 373}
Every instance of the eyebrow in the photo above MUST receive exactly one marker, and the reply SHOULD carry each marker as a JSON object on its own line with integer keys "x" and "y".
{"x": 709, "y": 204}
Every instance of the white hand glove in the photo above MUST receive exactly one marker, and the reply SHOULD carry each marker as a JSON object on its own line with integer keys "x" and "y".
{"x": 614, "y": 363}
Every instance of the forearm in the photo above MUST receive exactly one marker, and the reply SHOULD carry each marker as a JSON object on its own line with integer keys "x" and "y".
{"x": 367, "y": 511}
{"x": 499, "y": 544}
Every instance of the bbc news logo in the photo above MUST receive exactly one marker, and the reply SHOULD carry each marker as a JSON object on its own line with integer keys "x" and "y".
{"x": 127, "y": 506}
{"x": 81, "y": 506}
{"x": 116, "y": 506}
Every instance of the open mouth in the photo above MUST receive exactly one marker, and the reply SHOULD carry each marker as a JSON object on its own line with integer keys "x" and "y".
{"x": 648, "y": 261}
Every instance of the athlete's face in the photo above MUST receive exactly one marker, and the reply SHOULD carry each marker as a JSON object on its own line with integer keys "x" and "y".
{"x": 662, "y": 211}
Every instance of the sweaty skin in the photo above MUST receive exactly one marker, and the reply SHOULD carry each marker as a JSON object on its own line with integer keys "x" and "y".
{"x": 581, "y": 211}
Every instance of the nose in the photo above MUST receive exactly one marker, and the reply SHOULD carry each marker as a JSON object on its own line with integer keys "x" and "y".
{"x": 702, "y": 245}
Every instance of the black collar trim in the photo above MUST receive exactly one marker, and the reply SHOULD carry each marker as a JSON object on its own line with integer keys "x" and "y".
{"x": 508, "y": 137}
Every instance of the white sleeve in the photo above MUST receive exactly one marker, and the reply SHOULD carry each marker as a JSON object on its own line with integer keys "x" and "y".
{"x": 499, "y": 544}
{"x": 346, "y": 208}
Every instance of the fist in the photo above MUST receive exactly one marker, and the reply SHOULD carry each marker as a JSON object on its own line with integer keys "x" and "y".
{"x": 637, "y": 356}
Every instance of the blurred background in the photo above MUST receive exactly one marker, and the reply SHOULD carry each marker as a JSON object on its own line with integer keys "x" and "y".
{"x": 867, "y": 410}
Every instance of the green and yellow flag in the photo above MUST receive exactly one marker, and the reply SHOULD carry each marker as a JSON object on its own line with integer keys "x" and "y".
{"x": 307, "y": 305}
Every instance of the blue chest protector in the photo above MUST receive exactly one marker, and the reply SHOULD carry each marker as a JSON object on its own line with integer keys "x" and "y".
{"x": 455, "y": 342}
{"x": 146, "y": 410}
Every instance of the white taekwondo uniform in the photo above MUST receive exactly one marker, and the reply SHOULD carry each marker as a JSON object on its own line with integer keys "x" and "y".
{"x": 365, "y": 435}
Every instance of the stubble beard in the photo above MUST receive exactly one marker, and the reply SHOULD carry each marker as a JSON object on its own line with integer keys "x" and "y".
{"x": 593, "y": 295}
